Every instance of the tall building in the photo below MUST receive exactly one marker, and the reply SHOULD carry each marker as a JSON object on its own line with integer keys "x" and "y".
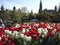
{"x": 14, "y": 8}
{"x": 40, "y": 6}
{"x": 51, "y": 11}
{"x": 56, "y": 8}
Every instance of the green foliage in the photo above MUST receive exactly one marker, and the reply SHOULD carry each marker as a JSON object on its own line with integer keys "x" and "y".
{"x": 30, "y": 16}
{"x": 19, "y": 15}
{"x": 2, "y": 8}
{"x": 6, "y": 15}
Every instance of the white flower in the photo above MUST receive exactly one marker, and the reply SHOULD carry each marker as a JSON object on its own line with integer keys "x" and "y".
{"x": 34, "y": 35}
{"x": 48, "y": 27}
{"x": 17, "y": 25}
{"x": 6, "y": 31}
{"x": 37, "y": 25}
{"x": 40, "y": 30}
{"x": 43, "y": 36}
{"x": 15, "y": 34}
{"x": 28, "y": 38}
{"x": 45, "y": 32}
{"x": 27, "y": 30}
{"x": 54, "y": 31}
{"x": 0, "y": 38}
{"x": 21, "y": 35}
{"x": 10, "y": 32}
{"x": 23, "y": 30}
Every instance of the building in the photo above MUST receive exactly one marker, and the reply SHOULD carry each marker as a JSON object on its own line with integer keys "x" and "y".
{"x": 40, "y": 6}
{"x": 49, "y": 11}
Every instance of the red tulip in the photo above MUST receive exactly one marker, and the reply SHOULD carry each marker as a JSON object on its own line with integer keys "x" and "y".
{"x": 10, "y": 43}
{"x": 2, "y": 43}
{"x": 3, "y": 38}
{"x": 9, "y": 37}
{"x": 51, "y": 34}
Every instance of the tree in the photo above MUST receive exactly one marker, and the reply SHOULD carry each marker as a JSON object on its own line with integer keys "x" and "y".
{"x": 24, "y": 9}
{"x": 2, "y": 11}
{"x": 14, "y": 8}
{"x": 2, "y": 8}
{"x": 30, "y": 15}
{"x": 6, "y": 15}
{"x": 19, "y": 15}
{"x": 43, "y": 16}
{"x": 57, "y": 17}
{"x": 14, "y": 14}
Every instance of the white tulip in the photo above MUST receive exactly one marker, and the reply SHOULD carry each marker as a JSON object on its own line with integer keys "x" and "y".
{"x": 48, "y": 27}
{"x": 15, "y": 34}
{"x": 45, "y": 33}
{"x": 40, "y": 30}
{"x": 10, "y": 32}
{"x": 54, "y": 31}
{"x": 23, "y": 30}
{"x": 43, "y": 36}
{"x": 17, "y": 25}
{"x": 27, "y": 30}
{"x": 37, "y": 25}
{"x": 6, "y": 31}
{"x": 28, "y": 38}
{"x": 21, "y": 35}
{"x": 0, "y": 38}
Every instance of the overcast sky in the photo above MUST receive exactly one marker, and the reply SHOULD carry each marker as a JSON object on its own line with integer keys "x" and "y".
{"x": 30, "y": 4}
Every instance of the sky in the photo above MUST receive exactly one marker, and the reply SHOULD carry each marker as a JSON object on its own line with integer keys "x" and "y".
{"x": 30, "y": 4}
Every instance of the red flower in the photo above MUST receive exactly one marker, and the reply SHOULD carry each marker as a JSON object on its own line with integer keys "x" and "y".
{"x": 3, "y": 38}
{"x": 27, "y": 33}
{"x": 12, "y": 29}
{"x": 9, "y": 37}
{"x": 10, "y": 43}
{"x": 51, "y": 34}
{"x": 1, "y": 34}
{"x": 2, "y": 43}
{"x": 14, "y": 41}
{"x": 34, "y": 37}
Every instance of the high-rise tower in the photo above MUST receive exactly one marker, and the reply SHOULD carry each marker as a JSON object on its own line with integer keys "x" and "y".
{"x": 55, "y": 8}
{"x": 40, "y": 6}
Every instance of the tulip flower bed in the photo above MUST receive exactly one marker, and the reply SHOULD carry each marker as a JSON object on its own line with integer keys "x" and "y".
{"x": 31, "y": 34}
